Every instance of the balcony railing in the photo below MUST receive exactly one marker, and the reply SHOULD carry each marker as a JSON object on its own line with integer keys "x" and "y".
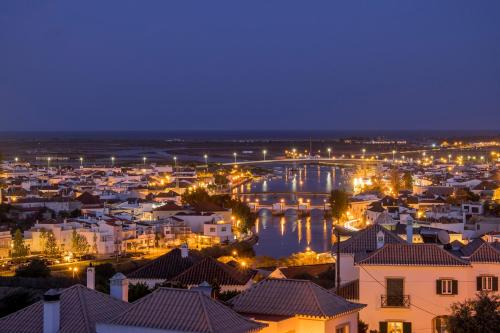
{"x": 399, "y": 301}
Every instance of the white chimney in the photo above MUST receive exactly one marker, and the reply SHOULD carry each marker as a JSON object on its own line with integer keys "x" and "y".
{"x": 119, "y": 287}
{"x": 91, "y": 277}
{"x": 409, "y": 231}
{"x": 380, "y": 239}
{"x": 184, "y": 250}
{"x": 51, "y": 311}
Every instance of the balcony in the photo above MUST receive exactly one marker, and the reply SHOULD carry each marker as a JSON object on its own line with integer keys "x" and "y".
{"x": 398, "y": 301}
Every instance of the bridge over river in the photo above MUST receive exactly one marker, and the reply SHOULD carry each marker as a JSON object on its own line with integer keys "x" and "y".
{"x": 329, "y": 161}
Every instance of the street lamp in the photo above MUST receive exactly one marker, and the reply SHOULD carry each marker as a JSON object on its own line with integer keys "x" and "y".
{"x": 176, "y": 172}
{"x": 206, "y": 159}
{"x": 112, "y": 161}
{"x": 144, "y": 160}
{"x": 81, "y": 161}
{"x": 16, "y": 159}
{"x": 329, "y": 152}
{"x": 449, "y": 158}
{"x": 48, "y": 162}
{"x": 264, "y": 152}
{"x": 235, "y": 154}
{"x": 364, "y": 151}
{"x": 393, "y": 156}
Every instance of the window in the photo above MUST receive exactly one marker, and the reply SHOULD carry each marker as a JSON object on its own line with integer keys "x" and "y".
{"x": 344, "y": 328}
{"x": 223, "y": 229}
{"x": 487, "y": 283}
{"x": 439, "y": 325}
{"x": 394, "y": 327}
{"x": 446, "y": 288}
{"x": 212, "y": 229}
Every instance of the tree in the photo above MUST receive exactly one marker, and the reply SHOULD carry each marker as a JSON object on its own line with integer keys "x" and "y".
{"x": 94, "y": 239}
{"x": 407, "y": 181}
{"x": 395, "y": 181}
{"x": 481, "y": 314}
{"x": 339, "y": 203}
{"x": 79, "y": 244}
{"x": 36, "y": 269}
{"x": 136, "y": 291}
{"x": 103, "y": 273}
{"x": 362, "y": 327}
{"x": 16, "y": 300}
{"x": 19, "y": 248}
{"x": 50, "y": 247}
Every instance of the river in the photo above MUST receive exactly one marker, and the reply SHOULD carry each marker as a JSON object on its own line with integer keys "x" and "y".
{"x": 281, "y": 236}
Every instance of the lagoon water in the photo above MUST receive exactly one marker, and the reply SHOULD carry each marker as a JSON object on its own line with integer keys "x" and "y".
{"x": 283, "y": 235}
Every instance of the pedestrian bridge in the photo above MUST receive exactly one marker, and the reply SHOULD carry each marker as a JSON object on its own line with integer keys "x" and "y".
{"x": 280, "y": 208}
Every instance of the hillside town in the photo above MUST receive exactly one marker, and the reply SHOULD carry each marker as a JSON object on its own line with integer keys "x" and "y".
{"x": 414, "y": 237}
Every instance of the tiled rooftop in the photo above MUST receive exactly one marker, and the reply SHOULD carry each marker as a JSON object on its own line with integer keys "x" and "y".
{"x": 283, "y": 297}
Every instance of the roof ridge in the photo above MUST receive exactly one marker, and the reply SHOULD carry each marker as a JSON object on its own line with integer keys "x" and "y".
{"x": 205, "y": 312}
{"x": 83, "y": 305}
{"x": 313, "y": 292}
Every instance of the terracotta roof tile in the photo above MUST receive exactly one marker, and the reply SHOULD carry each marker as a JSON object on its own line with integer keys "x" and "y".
{"x": 481, "y": 251}
{"x": 212, "y": 270}
{"x": 81, "y": 308}
{"x": 184, "y": 310}
{"x": 166, "y": 266}
{"x": 413, "y": 255}
{"x": 366, "y": 240}
{"x": 283, "y": 297}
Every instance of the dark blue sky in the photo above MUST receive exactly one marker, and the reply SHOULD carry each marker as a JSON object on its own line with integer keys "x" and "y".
{"x": 160, "y": 65}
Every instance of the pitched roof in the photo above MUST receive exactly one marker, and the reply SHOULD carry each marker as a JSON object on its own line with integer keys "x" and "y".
{"x": 81, "y": 308}
{"x": 366, "y": 240}
{"x": 480, "y": 251}
{"x": 287, "y": 298}
{"x": 169, "y": 206}
{"x": 207, "y": 206}
{"x": 184, "y": 310}
{"x": 313, "y": 270}
{"x": 88, "y": 199}
{"x": 167, "y": 266}
{"x": 412, "y": 255}
{"x": 211, "y": 270}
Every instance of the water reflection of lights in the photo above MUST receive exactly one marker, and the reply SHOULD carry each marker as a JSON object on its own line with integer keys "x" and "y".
{"x": 299, "y": 230}
{"x": 282, "y": 225}
{"x": 308, "y": 230}
{"x": 257, "y": 222}
{"x": 264, "y": 186}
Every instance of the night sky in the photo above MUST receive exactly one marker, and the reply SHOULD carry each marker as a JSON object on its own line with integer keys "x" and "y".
{"x": 162, "y": 65}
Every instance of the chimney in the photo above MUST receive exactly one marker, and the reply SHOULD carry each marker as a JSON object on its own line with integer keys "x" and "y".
{"x": 51, "y": 311}
{"x": 119, "y": 287}
{"x": 91, "y": 277}
{"x": 380, "y": 239}
{"x": 184, "y": 250}
{"x": 409, "y": 231}
{"x": 205, "y": 288}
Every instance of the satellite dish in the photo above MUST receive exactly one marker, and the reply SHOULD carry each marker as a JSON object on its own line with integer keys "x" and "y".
{"x": 443, "y": 237}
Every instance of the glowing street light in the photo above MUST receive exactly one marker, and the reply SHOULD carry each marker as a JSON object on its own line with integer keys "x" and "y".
{"x": 176, "y": 171}
{"x": 206, "y": 159}
{"x": 144, "y": 160}
{"x": 16, "y": 159}
{"x": 363, "y": 151}
{"x": 112, "y": 160}
{"x": 48, "y": 162}
{"x": 393, "y": 156}
{"x": 449, "y": 158}
{"x": 81, "y": 161}
{"x": 264, "y": 152}
{"x": 329, "y": 153}
{"x": 235, "y": 154}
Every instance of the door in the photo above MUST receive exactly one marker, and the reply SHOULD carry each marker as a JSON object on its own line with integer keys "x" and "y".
{"x": 395, "y": 291}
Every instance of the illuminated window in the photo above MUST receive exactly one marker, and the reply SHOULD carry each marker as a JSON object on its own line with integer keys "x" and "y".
{"x": 394, "y": 327}
{"x": 439, "y": 325}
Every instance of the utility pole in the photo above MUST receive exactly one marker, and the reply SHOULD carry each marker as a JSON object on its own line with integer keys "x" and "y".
{"x": 337, "y": 270}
